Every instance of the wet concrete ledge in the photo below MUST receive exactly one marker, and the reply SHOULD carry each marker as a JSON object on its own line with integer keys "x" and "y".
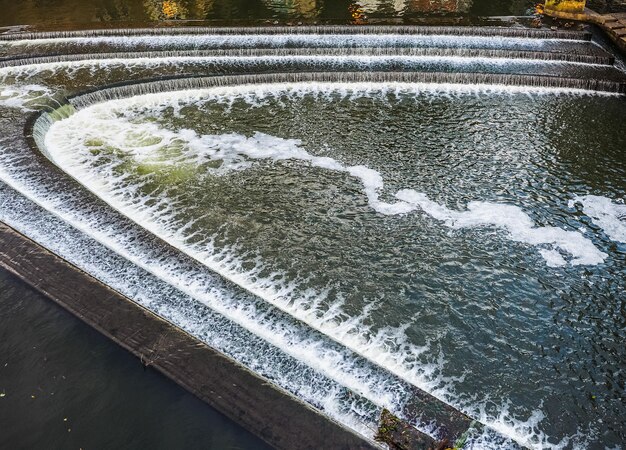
{"x": 613, "y": 25}
{"x": 266, "y": 410}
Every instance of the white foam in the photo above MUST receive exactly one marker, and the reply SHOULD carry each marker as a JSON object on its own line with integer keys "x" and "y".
{"x": 553, "y": 258}
{"x": 519, "y": 226}
{"x": 606, "y": 214}
{"x": 288, "y": 40}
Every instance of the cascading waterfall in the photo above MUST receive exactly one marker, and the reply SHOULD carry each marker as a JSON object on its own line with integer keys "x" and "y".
{"x": 306, "y": 339}
{"x": 599, "y": 59}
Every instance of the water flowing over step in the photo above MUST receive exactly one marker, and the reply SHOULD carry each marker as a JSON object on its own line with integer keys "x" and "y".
{"x": 599, "y": 58}
{"x": 421, "y": 406}
{"x": 468, "y": 70}
{"x": 343, "y": 77}
{"x": 316, "y": 30}
{"x": 535, "y": 58}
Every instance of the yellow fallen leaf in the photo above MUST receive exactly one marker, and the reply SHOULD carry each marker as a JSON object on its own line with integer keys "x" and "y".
{"x": 170, "y": 9}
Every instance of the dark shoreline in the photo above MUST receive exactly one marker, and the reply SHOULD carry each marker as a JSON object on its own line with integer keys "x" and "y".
{"x": 269, "y": 412}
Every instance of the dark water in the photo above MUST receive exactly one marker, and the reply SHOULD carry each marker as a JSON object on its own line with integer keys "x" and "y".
{"x": 63, "y": 385}
{"x": 72, "y": 13}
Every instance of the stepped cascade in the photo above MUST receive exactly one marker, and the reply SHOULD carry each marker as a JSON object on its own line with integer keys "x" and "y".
{"x": 295, "y": 197}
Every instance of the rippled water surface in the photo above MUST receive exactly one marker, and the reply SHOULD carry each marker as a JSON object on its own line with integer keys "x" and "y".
{"x": 477, "y": 245}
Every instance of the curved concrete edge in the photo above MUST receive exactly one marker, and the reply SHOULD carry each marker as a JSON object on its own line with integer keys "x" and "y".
{"x": 613, "y": 25}
{"x": 271, "y": 413}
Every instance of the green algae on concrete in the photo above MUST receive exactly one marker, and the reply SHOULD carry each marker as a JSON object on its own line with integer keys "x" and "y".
{"x": 399, "y": 435}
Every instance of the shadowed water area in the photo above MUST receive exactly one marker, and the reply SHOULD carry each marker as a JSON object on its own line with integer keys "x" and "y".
{"x": 71, "y": 13}
{"x": 64, "y": 385}
{"x": 360, "y": 215}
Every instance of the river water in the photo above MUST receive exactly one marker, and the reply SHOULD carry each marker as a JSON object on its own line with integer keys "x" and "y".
{"x": 73, "y": 13}
{"x": 352, "y": 214}
{"x": 64, "y": 385}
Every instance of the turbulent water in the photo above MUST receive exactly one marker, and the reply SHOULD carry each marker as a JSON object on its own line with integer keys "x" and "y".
{"x": 454, "y": 222}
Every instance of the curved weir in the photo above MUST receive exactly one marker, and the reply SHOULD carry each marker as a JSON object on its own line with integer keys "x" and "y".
{"x": 329, "y": 29}
{"x": 299, "y": 335}
{"x": 138, "y": 43}
{"x": 599, "y": 59}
